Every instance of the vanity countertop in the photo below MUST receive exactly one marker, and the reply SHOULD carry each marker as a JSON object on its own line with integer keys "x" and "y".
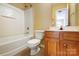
{"x": 68, "y": 28}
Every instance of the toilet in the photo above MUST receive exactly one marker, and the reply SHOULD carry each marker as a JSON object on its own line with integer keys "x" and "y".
{"x": 33, "y": 44}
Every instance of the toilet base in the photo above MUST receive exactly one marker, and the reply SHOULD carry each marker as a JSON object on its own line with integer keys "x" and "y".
{"x": 34, "y": 51}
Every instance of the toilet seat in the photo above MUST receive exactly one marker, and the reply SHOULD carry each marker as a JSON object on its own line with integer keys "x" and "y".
{"x": 33, "y": 41}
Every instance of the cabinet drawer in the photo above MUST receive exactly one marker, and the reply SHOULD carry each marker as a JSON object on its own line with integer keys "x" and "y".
{"x": 71, "y": 36}
{"x": 50, "y": 34}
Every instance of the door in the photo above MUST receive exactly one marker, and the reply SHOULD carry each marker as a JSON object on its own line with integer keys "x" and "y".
{"x": 71, "y": 48}
{"x": 53, "y": 47}
{"x": 51, "y": 43}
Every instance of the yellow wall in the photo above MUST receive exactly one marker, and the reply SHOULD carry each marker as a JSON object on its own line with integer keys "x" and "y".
{"x": 74, "y": 14}
{"x": 77, "y": 15}
{"x": 42, "y": 15}
{"x": 56, "y": 7}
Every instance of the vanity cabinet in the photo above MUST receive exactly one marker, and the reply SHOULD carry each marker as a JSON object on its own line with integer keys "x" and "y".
{"x": 61, "y": 43}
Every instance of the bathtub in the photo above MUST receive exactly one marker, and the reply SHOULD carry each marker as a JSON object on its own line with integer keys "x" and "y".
{"x": 9, "y": 46}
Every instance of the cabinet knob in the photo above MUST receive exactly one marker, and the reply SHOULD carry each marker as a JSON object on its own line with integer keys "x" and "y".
{"x": 65, "y": 45}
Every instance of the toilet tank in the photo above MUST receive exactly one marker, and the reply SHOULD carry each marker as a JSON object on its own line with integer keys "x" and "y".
{"x": 39, "y": 34}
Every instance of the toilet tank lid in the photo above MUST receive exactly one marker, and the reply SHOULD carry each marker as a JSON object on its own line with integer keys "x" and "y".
{"x": 39, "y": 30}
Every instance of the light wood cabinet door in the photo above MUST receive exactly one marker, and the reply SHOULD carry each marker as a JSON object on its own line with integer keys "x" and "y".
{"x": 71, "y": 48}
{"x": 51, "y": 43}
{"x": 53, "y": 46}
{"x": 70, "y": 43}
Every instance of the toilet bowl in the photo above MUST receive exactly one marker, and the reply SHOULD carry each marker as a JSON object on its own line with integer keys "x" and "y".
{"x": 33, "y": 44}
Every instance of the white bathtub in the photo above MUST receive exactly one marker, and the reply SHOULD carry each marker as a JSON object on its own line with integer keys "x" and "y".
{"x": 13, "y": 44}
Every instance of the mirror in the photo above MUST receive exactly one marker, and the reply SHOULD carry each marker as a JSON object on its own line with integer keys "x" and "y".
{"x": 62, "y": 17}
{"x": 65, "y": 14}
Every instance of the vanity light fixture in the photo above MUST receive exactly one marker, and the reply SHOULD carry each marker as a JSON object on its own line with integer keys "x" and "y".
{"x": 29, "y": 5}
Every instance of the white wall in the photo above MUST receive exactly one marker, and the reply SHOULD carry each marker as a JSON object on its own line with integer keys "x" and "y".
{"x": 29, "y": 20}
{"x": 11, "y": 24}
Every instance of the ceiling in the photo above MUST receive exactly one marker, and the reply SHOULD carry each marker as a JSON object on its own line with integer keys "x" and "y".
{"x": 22, "y": 6}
